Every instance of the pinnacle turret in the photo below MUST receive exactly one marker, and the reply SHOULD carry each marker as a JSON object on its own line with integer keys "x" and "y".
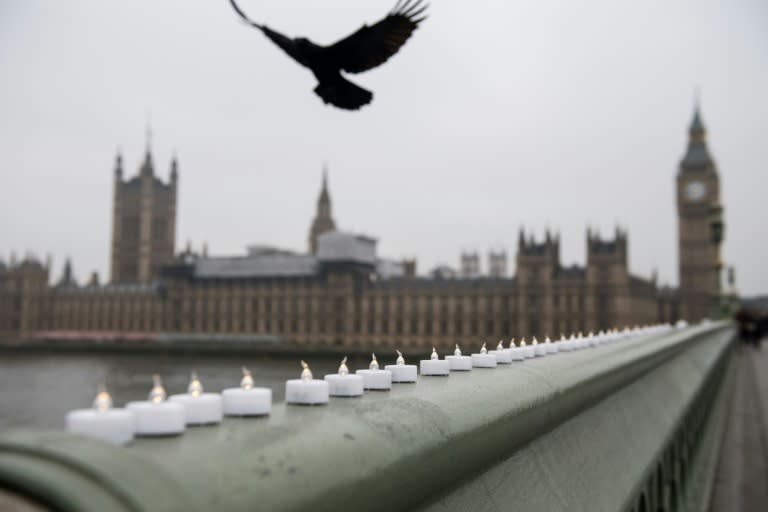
{"x": 323, "y": 221}
{"x": 119, "y": 164}
{"x": 697, "y": 155}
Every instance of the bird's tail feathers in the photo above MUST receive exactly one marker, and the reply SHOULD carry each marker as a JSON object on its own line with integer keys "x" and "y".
{"x": 342, "y": 93}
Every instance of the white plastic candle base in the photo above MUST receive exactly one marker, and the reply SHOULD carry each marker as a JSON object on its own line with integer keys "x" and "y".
{"x": 434, "y": 367}
{"x": 566, "y": 346}
{"x": 403, "y": 372}
{"x": 306, "y": 392}
{"x": 529, "y": 352}
{"x": 344, "y": 385}
{"x": 205, "y": 409}
{"x": 552, "y": 348}
{"x": 459, "y": 363}
{"x": 483, "y": 361}
{"x": 247, "y": 402}
{"x": 517, "y": 353}
{"x": 502, "y": 356}
{"x": 539, "y": 350}
{"x": 114, "y": 425}
{"x": 379, "y": 380}
{"x": 151, "y": 419}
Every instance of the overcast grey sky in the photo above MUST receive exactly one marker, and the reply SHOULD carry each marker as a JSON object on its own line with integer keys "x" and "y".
{"x": 496, "y": 114}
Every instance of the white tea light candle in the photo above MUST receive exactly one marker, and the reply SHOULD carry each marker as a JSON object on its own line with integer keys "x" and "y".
{"x": 552, "y": 348}
{"x": 529, "y": 351}
{"x": 459, "y": 362}
{"x": 402, "y": 372}
{"x": 155, "y": 416}
{"x": 247, "y": 400}
{"x": 518, "y": 353}
{"x": 538, "y": 348}
{"x": 375, "y": 378}
{"x": 434, "y": 366}
{"x": 503, "y": 355}
{"x": 102, "y": 421}
{"x": 306, "y": 390}
{"x": 483, "y": 359}
{"x": 344, "y": 384}
{"x": 581, "y": 341}
{"x": 199, "y": 408}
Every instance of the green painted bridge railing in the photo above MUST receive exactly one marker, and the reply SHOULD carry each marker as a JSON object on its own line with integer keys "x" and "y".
{"x": 626, "y": 426}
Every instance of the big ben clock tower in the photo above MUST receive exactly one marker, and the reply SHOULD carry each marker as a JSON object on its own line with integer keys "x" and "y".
{"x": 699, "y": 227}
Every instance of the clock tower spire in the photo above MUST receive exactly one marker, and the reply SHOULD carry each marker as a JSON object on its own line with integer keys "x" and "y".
{"x": 698, "y": 202}
{"x": 323, "y": 220}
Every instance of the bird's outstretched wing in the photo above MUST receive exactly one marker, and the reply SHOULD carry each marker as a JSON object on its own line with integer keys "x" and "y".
{"x": 287, "y": 44}
{"x": 371, "y": 46}
{"x": 245, "y": 17}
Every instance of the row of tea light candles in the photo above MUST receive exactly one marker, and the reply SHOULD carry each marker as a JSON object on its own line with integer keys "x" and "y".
{"x": 160, "y": 415}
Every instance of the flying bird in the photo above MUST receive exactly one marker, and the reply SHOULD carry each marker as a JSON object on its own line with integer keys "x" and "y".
{"x": 365, "y": 49}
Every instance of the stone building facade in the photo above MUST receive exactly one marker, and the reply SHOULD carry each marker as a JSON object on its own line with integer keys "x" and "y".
{"x": 143, "y": 222}
{"x": 340, "y": 293}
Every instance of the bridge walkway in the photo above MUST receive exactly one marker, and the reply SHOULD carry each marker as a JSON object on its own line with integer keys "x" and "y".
{"x": 741, "y": 482}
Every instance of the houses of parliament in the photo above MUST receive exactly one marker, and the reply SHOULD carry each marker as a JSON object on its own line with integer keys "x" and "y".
{"x": 340, "y": 292}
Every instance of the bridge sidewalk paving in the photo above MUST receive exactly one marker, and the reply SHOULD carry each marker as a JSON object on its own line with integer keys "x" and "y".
{"x": 741, "y": 482}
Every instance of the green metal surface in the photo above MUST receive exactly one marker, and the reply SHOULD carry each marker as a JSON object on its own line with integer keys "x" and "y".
{"x": 601, "y": 458}
{"x": 395, "y": 450}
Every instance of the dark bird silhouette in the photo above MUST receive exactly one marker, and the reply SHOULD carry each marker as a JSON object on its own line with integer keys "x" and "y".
{"x": 365, "y": 49}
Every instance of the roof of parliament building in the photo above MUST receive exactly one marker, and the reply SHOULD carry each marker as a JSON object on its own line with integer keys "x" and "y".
{"x": 266, "y": 262}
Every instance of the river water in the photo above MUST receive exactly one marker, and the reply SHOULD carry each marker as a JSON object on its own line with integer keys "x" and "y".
{"x": 36, "y": 391}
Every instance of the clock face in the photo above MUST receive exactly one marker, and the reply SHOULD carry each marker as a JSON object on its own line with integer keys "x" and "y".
{"x": 695, "y": 191}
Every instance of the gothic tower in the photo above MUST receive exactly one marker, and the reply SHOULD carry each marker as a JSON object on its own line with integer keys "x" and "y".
{"x": 143, "y": 222}
{"x": 323, "y": 220}
{"x": 698, "y": 198}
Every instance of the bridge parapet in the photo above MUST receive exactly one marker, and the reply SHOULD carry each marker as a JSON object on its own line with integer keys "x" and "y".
{"x": 626, "y": 426}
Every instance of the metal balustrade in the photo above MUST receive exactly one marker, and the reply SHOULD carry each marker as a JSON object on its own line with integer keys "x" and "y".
{"x": 631, "y": 425}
